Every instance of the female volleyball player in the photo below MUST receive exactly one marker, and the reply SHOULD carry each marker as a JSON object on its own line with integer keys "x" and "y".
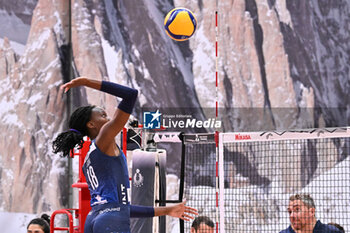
{"x": 105, "y": 166}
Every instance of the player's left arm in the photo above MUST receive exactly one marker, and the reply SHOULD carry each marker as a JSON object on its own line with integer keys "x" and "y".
{"x": 179, "y": 210}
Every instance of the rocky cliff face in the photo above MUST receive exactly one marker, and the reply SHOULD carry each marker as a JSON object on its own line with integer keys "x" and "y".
{"x": 278, "y": 56}
{"x": 15, "y": 19}
{"x": 32, "y": 110}
{"x": 281, "y": 65}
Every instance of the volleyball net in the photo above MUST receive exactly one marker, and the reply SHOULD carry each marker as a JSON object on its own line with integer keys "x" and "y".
{"x": 244, "y": 181}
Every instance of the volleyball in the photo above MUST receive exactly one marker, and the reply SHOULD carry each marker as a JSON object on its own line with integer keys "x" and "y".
{"x": 180, "y": 24}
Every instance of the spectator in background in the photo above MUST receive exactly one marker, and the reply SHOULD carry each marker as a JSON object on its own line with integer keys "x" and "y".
{"x": 302, "y": 217}
{"x": 202, "y": 224}
{"x": 337, "y": 226}
{"x": 39, "y": 225}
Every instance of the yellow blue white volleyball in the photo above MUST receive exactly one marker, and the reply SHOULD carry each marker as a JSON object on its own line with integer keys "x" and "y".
{"x": 180, "y": 24}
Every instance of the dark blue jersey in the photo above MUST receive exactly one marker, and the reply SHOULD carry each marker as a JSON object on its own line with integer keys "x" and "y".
{"x": 319, "y": 228}
{"x": 106, "y": 176}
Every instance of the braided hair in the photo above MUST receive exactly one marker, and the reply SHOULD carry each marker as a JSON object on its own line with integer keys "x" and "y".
{"x": 43, "y": 222}
{"x": 66, "y": 141}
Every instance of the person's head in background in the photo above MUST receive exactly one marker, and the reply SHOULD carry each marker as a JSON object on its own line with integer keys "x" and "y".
{"x": 301, "y": 211}
{"x": 202, "y": 224}
{"x": 39, "y": 225}
{"x": 337, "y": 226}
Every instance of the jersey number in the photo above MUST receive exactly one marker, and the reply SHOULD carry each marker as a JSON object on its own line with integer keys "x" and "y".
{"x": 92, "y": 177}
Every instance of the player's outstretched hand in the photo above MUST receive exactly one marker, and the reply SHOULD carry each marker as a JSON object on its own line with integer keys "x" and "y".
{"x": 182, "y": 211}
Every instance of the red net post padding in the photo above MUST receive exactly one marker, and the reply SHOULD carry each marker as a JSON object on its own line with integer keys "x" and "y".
{"x": 84, "y": 193}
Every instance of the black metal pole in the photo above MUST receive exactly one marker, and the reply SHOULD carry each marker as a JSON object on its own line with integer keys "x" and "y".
{"x": 182, "y": 177}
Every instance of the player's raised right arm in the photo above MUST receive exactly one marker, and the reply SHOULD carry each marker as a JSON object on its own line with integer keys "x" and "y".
{"x": 129, "y": 95}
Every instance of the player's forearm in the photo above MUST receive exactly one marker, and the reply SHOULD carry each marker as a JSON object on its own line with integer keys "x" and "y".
{"x": 141, "y": 211}
{"x": 127, "y": 94}
{"x": 95, "y": 84}
{"x": 162, "y": 210}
